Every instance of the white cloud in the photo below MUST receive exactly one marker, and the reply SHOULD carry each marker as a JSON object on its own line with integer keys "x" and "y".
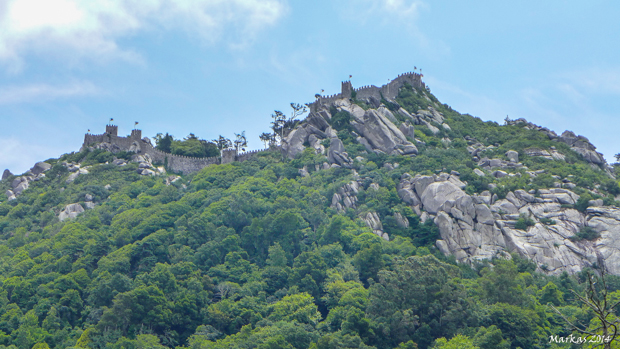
{"x": 44, "y": 92}
{"x": 92, "y": 28}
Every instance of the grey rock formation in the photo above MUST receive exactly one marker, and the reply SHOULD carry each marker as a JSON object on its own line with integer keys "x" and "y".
{"x": 346, "y": 197}
{"x": 304, "y": 171}
{"x": 20, "y": 184}
{"x": 294, "y": 143}
{"x": 135, "y": 147}
{"x": 437, "y": 193}
{"x": 580, "y": 144}
{"x": 406, "y": 114}
{"x": 382, "y": 135}
{"x": 512, "y": 155}
{"x": 373, "y": 222}
{"x": 6, "y": 174}
{"x": 401, "y": 221}
{"x": 545, "y": 154}
{"x": 74, "y": 175}
{"x": 10, "y": 195}
{"x": 407, "y": 129}
{"x": 475, "y": 227}
{"x": 386, "y": 113}
{"x": 337, "y": 155}
{"x": 70, "y": 211}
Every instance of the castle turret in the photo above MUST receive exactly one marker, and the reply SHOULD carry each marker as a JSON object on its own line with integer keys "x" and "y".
{"x": 136, "y": 135}
{"x": 229, "y": 155}
{"x": 111, "y": 130}
{"x": 347, "y": 89}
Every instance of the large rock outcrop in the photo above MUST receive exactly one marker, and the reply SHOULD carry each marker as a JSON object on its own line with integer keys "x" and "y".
{"x": 6, "y": 174}
{"x": 70, "y": 211}
{"x": 475, "y": 227}
{"x": 382, "y": 134}
{"x": 376, "y": 129}
{"x": 579, "y": 144}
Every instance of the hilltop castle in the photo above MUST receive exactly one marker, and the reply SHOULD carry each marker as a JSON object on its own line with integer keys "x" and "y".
{"x": 176, "y": 163}
{"x": 388, "y": 91}
{"x": 184, "y": 164}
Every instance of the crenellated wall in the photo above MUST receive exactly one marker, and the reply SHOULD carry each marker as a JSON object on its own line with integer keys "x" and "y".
{"x": 389, "y": 91}
{"x": 175, "y": 163}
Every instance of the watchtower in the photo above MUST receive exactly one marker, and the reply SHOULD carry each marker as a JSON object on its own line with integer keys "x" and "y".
{"x": 136, "y": 134}
{"x": 111, "y": 130}
{"x": 229, "y": 155}
{"x": 347, "y": 89}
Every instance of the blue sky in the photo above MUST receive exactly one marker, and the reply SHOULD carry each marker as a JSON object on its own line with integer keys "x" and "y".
{"x": 214, "y": 67}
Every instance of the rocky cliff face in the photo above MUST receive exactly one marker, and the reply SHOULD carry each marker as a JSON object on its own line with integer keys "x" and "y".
{"x": 475, "y": 227}
{"x": 479, "y": 226}
{"x": 376, "y": 129}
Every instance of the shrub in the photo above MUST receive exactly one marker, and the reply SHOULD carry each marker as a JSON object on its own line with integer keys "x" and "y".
{"x": 583, "y": 202}
{"x": 547, "y": 221}
{"x": 523, "y": 222}
{"x": 341, "y": 121}
{"x": 586, "y": 233}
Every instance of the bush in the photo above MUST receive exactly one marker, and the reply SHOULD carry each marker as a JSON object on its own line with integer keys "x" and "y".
{"x": 547, "y": 221}
{"x": 586, "y": 233}
{"x": 523, "y": 222}
{"x": 611, "y": 187}
{"x": 341, "y": 121}
{"x": 583, "y": 202}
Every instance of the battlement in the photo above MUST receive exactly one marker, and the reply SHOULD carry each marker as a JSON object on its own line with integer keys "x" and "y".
{"x": 388, "y": 91}
{"x": 136, "y": 134}
{"x": 111, "y": 130}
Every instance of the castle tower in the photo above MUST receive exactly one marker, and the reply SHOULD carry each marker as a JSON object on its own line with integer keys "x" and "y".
{"x": 136, "y": 134}
{"x": 111, "y": 130}
{"x": 229, "y": 155}
{"x": 347, "y": 89}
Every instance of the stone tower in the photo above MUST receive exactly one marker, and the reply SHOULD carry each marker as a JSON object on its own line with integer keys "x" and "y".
{"x": 136, "y": 134}
{"x": 111, "y": 130}
{"x": 347, "y": 89}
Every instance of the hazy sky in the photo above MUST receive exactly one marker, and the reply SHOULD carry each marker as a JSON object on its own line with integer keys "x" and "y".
{"x": 214, "y": 67}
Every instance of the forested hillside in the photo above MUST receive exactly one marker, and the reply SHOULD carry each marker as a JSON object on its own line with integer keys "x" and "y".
{"x": 266, "y": 253}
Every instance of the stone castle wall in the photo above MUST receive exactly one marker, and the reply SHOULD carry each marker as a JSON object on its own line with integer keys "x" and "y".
{"x": 173, "y": 162}
{"x": 389, "y": 91}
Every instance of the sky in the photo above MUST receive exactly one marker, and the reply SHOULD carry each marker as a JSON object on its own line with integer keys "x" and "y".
{"x": 220, "y": 67}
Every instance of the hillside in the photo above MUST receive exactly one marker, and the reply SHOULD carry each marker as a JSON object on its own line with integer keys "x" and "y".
{"x": 384, "y": 219}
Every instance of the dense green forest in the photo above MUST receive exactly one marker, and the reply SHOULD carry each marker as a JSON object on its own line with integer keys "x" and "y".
{"x": 251, "y": 255}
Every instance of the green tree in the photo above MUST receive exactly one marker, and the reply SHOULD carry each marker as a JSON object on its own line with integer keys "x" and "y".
{"x": 222, "y": 143}
{"x": 368, "y": 262}
{"x": 502, "y": 283}
{"x": 551, "y": 294}
{"x": 491, "y": 338}
{"x": 457, "y": 342}
{"x": 163, "y": 142}
{"x": 240, "y": 141}
{"x": 266, "y": 138}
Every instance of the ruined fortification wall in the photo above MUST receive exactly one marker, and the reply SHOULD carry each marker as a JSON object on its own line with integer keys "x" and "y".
{"x": 367, "y": 92}
{"x": 388, "y": 91}
{"x": 250, "y": 154}
{"x": 175, "y": 163}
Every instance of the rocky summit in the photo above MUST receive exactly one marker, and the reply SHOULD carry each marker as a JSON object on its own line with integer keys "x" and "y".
{"x": 380, "y": 219}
